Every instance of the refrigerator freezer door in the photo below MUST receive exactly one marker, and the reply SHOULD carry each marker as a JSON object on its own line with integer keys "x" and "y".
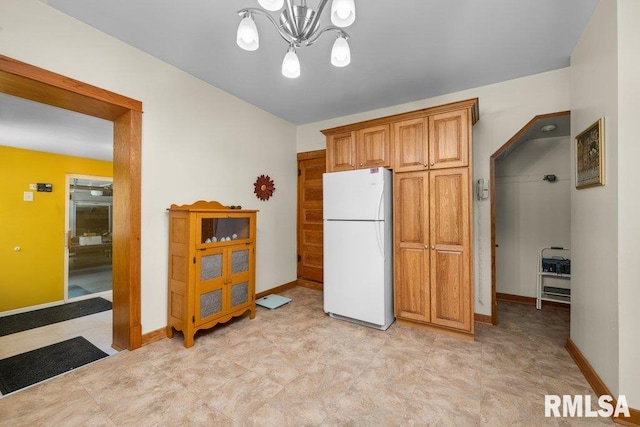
{"x": 354, "y": 263}
{"x": 357, "y": 195}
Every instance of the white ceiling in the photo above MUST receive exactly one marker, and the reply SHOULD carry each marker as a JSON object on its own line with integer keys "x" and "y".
{"x": 402, "y": 50}
{"x": 34, "y": 126}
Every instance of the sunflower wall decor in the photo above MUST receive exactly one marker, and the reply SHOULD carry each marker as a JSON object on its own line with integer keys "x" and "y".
{"x": 264, "y": 187}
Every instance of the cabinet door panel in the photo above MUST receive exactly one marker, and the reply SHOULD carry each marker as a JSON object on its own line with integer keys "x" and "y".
{"x": 411, "y": 195}
{"x": 411, "y": 289}
{"x": 449, "y": 139}
{"x": 449, "y": 207}
{"x": 451, "y": 286}
{"x": 410, "y": 145}
{"x": 341, "y": 152}
{"x": 373, "y": 147}
{"x": 450, "y": 289}
{"x": 211, "y": 270}
{"x": 241, "y": 266}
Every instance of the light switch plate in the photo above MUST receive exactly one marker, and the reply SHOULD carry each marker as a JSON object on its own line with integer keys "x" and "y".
{"x": 33, "y": 187}
{"x": 28, "y": 196}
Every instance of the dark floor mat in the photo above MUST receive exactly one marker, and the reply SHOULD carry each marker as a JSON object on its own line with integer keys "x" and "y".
{"x": 29, "y": 368}
{"x": 46, "y": 316}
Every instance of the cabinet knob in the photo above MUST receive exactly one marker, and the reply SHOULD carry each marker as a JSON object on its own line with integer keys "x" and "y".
{"x": 433, "y": 247}
{"x": 432, "y": 163}
{"x": 426, "y": 246}
{"x": 361, "y": 164}
{"x": 424, "y": 164}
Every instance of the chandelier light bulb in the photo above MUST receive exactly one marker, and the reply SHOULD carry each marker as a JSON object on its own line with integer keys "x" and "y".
{"x": 340, "y": 53}
{"x": 248, "y": 34}
{"x": 343, "y": 12}
{"x": 291, "y": 65}
{"x": 271, "y": 5}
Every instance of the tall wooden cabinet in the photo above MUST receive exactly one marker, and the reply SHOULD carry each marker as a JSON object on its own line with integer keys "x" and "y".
{"x": 431, "y": 149}
{"x": 211, "y": 266}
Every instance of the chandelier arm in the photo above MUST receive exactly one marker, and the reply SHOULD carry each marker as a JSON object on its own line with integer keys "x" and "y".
{"x": 324, "y": 30}
{"x": 292, "y": 18}
{"x": 257, "y": 11}
{"x": 316, "y": 18}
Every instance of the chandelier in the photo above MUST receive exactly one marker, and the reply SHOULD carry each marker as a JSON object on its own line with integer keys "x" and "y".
{"x": 299, "y": 26}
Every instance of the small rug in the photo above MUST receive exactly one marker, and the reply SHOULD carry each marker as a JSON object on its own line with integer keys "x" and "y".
{"x": 47, "y": 316}
{"x": 29, "y": 368}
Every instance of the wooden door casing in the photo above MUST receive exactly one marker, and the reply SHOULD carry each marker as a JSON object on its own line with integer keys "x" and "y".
{"x": 310, "y": 234}
{"x": 450, "y": 239}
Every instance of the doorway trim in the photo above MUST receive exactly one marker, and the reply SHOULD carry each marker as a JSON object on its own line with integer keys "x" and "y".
{"x": 36, "y": 84}
{"x": 492, "y": 197}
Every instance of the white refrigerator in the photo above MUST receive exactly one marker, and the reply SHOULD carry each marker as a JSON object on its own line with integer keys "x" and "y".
{"x": 358, "y": 251}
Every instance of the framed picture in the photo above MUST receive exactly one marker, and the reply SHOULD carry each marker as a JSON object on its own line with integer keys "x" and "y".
{"x": 590, "y": 156}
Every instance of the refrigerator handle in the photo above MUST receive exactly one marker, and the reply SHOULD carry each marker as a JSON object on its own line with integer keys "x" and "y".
{"x": 380, "y": 202}
{"x": 379, "y": 238}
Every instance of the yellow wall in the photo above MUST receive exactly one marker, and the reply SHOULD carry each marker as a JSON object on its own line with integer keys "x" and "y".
{"x": 35, "y": 274}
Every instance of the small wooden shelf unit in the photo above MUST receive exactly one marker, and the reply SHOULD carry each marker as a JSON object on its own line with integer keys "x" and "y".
{"x": 212, "y": 252}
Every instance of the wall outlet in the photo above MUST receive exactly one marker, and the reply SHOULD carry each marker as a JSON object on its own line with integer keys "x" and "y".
{"x": 28, "y": 196}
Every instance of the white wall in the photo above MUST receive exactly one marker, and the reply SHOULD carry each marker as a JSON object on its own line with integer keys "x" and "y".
{"x": 629, "y": 198}
{"x": 504, "y": 109}
{"x": 198, "y": 142}
{"x": 594, "y": 211}
{"x": 531, "y": 214}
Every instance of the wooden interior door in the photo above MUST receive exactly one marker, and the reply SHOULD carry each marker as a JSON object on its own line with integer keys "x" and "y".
{"x": 451, "y": 287}
{"x": 311, "y": 166}
{"x": 411, "y": 216}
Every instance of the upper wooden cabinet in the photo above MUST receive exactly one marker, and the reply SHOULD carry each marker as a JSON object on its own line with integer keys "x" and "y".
{"x": 373, "y": 147}
{"x": 365, "y": 148}
{"x": 433, "y": 138}
{"x": 341, "y": 152}
{"x": 411, "y": 143}
{"x": 449, "y": 139}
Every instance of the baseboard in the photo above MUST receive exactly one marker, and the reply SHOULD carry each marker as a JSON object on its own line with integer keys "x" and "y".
{"x": 515, "y": 298}
{"x": 277, "y": 289}
{"x": 483, "y": 318}
{"x": 30, "y": 308}
{"x": 310, "y": 284}
{"x": 599, "y": 387}
{"x": 154, "y": 336}
{"x": 529, "y": 300}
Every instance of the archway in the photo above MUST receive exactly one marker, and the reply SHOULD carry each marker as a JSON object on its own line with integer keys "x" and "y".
{"x": 39, "y": 85}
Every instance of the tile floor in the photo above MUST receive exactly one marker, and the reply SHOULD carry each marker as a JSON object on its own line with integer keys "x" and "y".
{"x": 296, "y": 366}
{"x": 90, "y": 281}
